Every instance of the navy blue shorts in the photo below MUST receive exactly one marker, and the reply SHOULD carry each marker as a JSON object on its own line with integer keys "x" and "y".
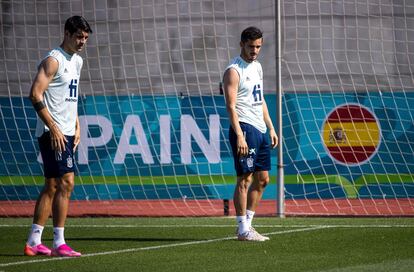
{"x": 56, "y": 164}
{"x": 258, "y": 157}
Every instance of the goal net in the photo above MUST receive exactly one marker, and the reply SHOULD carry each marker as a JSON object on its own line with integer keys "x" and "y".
{"x": 153, "y": 120}
{"x": 348, "y": 107}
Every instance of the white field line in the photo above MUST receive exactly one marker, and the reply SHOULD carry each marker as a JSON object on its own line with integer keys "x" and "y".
{"x": 223, "y": 226}
{"x": 155, "y": 247}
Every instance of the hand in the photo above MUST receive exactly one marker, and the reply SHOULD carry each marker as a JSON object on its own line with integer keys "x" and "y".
{"x": 242, "y": 148}
{"x": 57, "y": 138}
{"x": 273, "y": 138}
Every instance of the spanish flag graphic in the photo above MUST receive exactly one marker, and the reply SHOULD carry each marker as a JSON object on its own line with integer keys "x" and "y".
{"x": 351, "y": 134}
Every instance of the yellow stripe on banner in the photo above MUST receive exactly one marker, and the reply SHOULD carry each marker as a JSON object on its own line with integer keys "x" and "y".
{"x": 351, "y": 134}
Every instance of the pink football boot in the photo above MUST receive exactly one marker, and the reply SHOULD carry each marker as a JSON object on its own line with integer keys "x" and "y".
{"x": 65, "y": 251}
{"x": 37, "y": 250}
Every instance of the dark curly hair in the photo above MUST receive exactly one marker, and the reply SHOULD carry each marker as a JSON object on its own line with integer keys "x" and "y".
{"x": 75, "y": 23}
{"x": 251, "y": 33}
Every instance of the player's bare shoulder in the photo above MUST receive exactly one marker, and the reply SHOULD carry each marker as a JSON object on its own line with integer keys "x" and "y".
{"x": 49, "y": 66}
{"x": 231, "y": 75}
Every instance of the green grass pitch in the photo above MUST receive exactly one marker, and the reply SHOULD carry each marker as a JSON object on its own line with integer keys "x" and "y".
{"x": 208, "y": 244}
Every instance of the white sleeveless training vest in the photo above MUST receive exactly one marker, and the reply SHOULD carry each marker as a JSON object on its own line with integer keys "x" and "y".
{"x": 249, "y": 104}
{"x": 61, "y": 97}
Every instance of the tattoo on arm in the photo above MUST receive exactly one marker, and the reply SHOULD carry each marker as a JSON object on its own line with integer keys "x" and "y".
{"x": 38, "y": 106}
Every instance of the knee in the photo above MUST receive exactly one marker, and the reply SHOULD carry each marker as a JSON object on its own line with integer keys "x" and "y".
{"x": 243, "y": 184}
{"x": 66, "y": 185}
{"x": 263, "y": 180}
{"x": 50, "y": 187}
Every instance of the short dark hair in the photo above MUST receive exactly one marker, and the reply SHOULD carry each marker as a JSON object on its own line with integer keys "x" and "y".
{"x": 75, "y": 23}
{"x": 251, "y": 33}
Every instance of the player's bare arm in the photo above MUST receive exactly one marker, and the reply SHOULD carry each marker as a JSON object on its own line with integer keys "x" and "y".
{"x": 76, "y": 140}
{"x": 231, "y": 83}
{"x": 45, "y": 74}
{"x": 269, "y": 124}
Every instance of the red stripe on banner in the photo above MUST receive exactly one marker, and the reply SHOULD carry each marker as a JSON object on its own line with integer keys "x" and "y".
{"x": 351, "y": 113}
{"x": 351, "y": 154}
{"x": 297, "y": 207}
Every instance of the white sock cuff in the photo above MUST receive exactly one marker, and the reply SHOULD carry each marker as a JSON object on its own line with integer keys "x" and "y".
{"x": 58, "y": 237}
{"x": 35, "y": 235}
{"x": 37, "y": 227}
{"x": 250, "y": 213}
{"x": 242, "y": 224}
{"x": 241, "y": 218}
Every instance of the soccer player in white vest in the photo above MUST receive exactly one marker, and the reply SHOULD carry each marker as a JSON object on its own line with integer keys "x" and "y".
{"x": 249, "y": 123}
{"x": 54, "y": 95}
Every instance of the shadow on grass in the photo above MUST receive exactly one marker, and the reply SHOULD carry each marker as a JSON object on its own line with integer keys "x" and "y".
{"x": 120, "y": 239}
{"x": 102, "y": 239}
{"x": 19, "y": 255}
{"x": 124, "y": 239}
